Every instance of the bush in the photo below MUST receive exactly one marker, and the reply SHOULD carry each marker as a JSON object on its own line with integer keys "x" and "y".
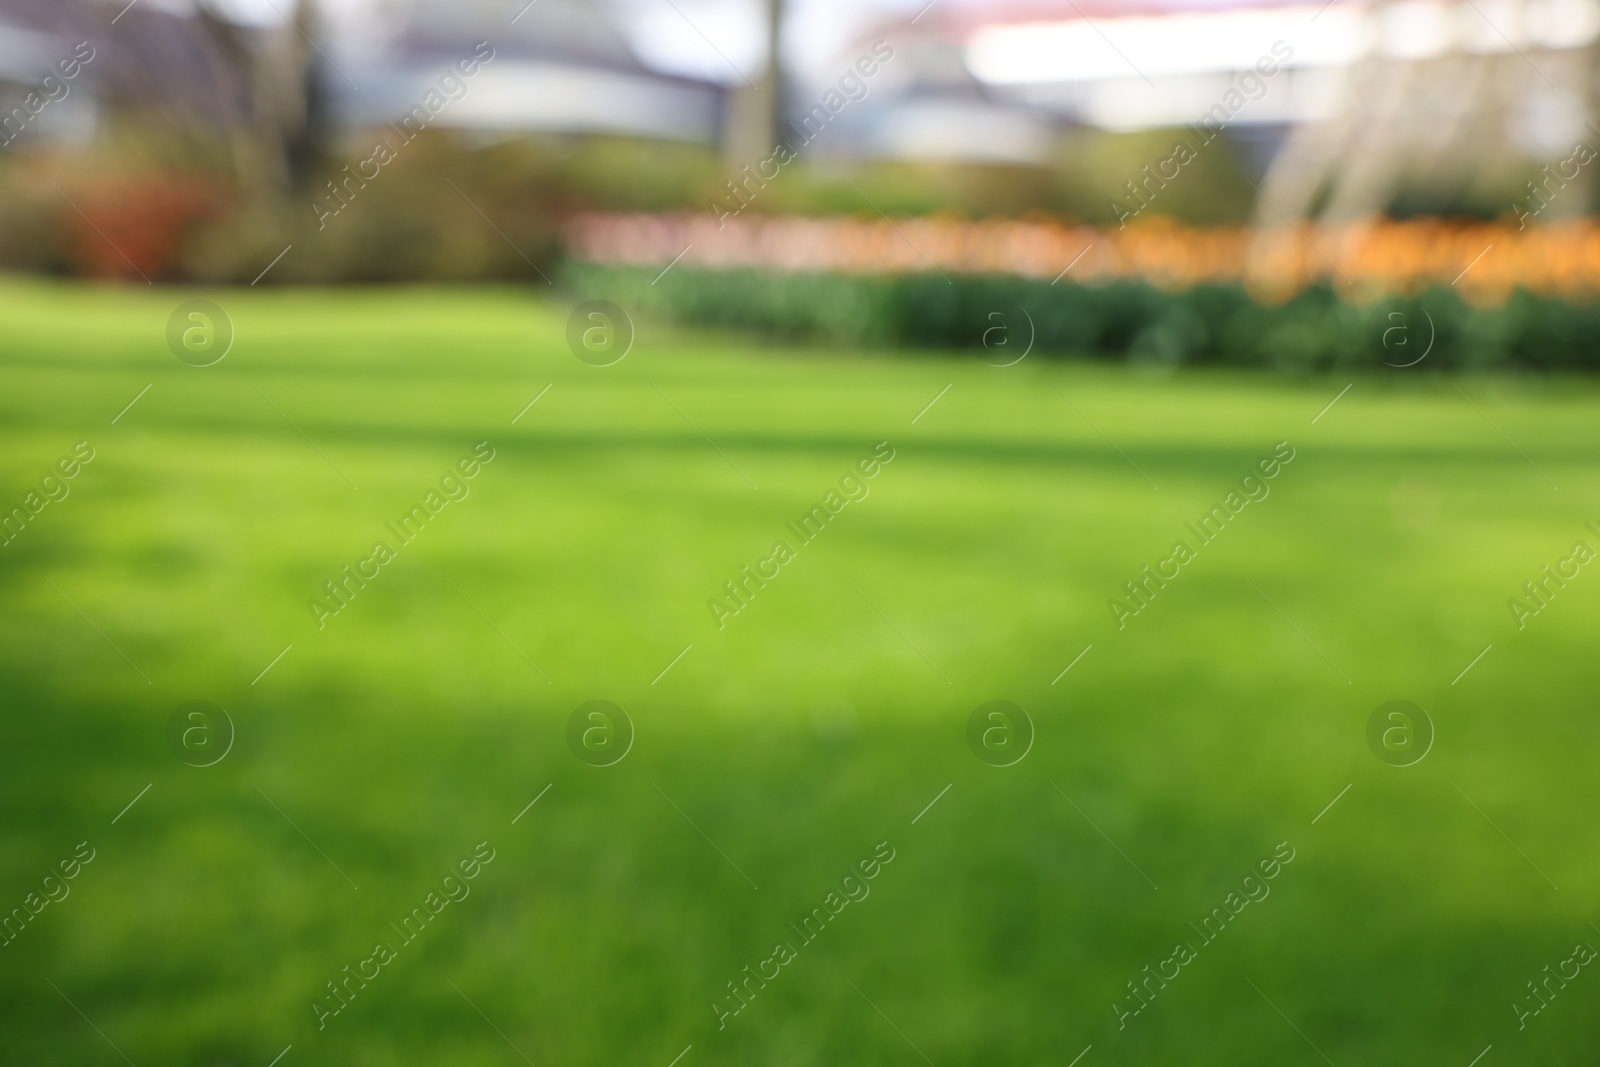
{"x": 1314, "y": 331}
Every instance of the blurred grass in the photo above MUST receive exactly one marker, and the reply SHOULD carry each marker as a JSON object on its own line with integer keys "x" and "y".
{"x": 806, "y": 731}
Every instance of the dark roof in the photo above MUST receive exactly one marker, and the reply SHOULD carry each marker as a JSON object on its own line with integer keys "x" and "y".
{"x": 148, "y": 57}
{"x": 569, "y": 31}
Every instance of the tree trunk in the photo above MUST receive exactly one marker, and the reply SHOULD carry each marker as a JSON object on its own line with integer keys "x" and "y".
{"x": 753, "y": 112}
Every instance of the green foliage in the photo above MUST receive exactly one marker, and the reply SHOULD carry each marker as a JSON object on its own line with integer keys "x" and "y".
{"x": 1218, "y": 324}
{"x": 408, "y": 223}
{"x": 1089, "y": 181}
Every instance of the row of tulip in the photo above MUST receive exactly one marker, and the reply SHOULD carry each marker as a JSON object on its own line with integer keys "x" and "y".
{"x": 1486, "y": 262}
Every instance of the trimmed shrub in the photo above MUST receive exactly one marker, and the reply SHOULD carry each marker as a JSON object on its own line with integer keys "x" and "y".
{"x": 1314, "y": 331}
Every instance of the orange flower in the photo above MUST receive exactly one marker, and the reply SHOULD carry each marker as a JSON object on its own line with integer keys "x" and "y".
{"x": 1486, "y": 261}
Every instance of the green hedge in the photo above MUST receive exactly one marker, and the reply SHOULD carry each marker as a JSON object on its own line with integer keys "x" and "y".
{"x": 1220, "y": 324}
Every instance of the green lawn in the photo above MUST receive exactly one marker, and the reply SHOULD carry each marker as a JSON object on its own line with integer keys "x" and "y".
{"x": 783, "y": 748}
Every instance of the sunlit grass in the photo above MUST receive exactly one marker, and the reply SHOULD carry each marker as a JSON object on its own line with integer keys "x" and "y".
{"x": 820, "y": 720}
